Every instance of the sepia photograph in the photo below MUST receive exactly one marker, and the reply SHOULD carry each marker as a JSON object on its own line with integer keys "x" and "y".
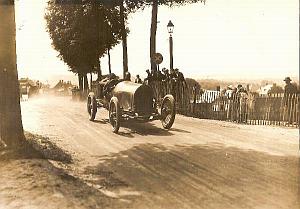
{"x": 149, "y": 104}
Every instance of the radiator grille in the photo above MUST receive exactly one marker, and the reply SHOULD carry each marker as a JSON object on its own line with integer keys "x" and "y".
{"x": 143, "y": 100}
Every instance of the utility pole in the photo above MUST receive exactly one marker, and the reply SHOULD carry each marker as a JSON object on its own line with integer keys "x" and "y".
{"x": 124, "y": 40}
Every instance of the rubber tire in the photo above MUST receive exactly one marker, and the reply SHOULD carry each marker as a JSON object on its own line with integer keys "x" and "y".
{"x": 170, "y": 98}
{"x": 115, "y": 102}
{"x": 91, "y": 107}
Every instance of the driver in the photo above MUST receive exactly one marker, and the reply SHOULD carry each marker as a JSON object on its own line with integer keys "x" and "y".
{"x": 109, "y": 83}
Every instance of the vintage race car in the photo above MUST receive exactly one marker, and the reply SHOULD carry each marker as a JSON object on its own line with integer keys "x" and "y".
{"x": 127, "y": 101}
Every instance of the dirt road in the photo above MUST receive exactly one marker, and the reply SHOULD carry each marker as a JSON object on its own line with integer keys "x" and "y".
{"x": 196, "y": 164}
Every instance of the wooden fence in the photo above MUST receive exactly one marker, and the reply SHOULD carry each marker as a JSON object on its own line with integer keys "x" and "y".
{"x": 248, "y": 108}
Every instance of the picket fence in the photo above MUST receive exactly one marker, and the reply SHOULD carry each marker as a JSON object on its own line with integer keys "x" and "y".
{"x": 249, "y": 108}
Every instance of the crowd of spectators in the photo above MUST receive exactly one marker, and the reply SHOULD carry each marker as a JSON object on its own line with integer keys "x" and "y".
{"x": 164, "y": 75}
{"x": 164, "y": 82}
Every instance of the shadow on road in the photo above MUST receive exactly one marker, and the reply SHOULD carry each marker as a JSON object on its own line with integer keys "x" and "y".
{"x": 180, "y": 130}
{"x": 129, "y": 128}
{"x": 103, "y": 121}
{"x": 143, "y": 129}
{"x": 198, "y": 176}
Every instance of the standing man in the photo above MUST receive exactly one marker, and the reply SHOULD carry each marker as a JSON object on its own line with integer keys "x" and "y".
{"x": 180, "y": 85}
{"x": 127, "y": 76}
{"x": 242, "y": 96}
{"x": 154, "y": 74}
{"x": 180, "y": 77}
{"x": 148, "y": 79}
{"x": 289, "y": 91}
{"x": 289, "y": 88}
{"x": 165, "y": 80}
{"x": 138, "y": 79}
{"x": 166, "y": 75}
{"x": 173, "y": 82}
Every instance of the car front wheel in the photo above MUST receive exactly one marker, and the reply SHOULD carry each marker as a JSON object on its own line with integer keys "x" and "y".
{"x": 168, "y": 111}
{"x": 114, "y": 114}
{"x": 91, "y": 107}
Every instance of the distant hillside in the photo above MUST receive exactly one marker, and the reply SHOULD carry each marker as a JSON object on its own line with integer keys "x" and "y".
{"x": 212, "y": 84}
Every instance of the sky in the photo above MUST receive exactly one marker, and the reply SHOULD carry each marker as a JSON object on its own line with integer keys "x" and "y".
{"x": 232, "y": 39}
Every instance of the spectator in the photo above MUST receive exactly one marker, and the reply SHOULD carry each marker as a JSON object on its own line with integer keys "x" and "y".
{"x": 165, "y": 78}
{"x": 138, "y": 79}
{"x": 148, "y": 79}
{"x": 166, "y": 74}
{"x": 233, "y": 105}
{"x": 289, "y": 88}
{"x": 241, "y": 89}
{"x": 173, "y": 75}
{"x": 127, "y": 76}
{"x": 159, "y": 75}
{"x": 154, "y": 74}
{"x": 239, "y": 86}
{"x": 180, "y": 85}
{"x": 243, "y": 103}
{"x": 180, "y": 76}
{"x": 173, "y": 84}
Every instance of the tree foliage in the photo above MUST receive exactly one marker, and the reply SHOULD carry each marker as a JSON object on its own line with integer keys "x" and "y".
{"x": 82, "y": 31}
{"x": 192, "y": 82}
{"x": 133, "y": 5}
{"x": 276, "y": 89}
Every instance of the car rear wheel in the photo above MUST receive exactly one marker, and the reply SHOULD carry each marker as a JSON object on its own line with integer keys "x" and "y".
{"x": 168, "y": 111}
{"x": 114, "y": 114}
{"x": 91, "y": 107}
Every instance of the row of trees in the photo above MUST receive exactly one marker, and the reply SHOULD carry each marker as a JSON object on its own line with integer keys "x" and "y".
{"x": 83, "y": 31}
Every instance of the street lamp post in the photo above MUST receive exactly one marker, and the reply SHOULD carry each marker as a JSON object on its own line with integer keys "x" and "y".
{"x": 170, "y": 27}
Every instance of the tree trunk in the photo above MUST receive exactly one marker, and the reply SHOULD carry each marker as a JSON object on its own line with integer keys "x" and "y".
{"x": 124, "y": 40}
{"x": 11, "y": 128}
{"x": 109, "y": 64}
{"x": 80, "y": 82}
{"x": 91, "y": 80}
{"x": 99, "y": 71}
{"x": 85, "y": 84}
{"x": 153, "y": 32}
{"x": 99, "y": 31}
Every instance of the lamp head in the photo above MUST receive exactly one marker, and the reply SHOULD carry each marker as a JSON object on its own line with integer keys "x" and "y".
{"x": 170, "y": 27}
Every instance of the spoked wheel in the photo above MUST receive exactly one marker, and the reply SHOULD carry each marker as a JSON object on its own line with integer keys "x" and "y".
{"x": 92, "y": 107}
{"x": 168, "y": 111}
{"x": 114, "y": 114}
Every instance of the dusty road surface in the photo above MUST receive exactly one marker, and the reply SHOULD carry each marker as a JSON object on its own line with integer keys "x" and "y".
{"x": 197, "y": 164}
